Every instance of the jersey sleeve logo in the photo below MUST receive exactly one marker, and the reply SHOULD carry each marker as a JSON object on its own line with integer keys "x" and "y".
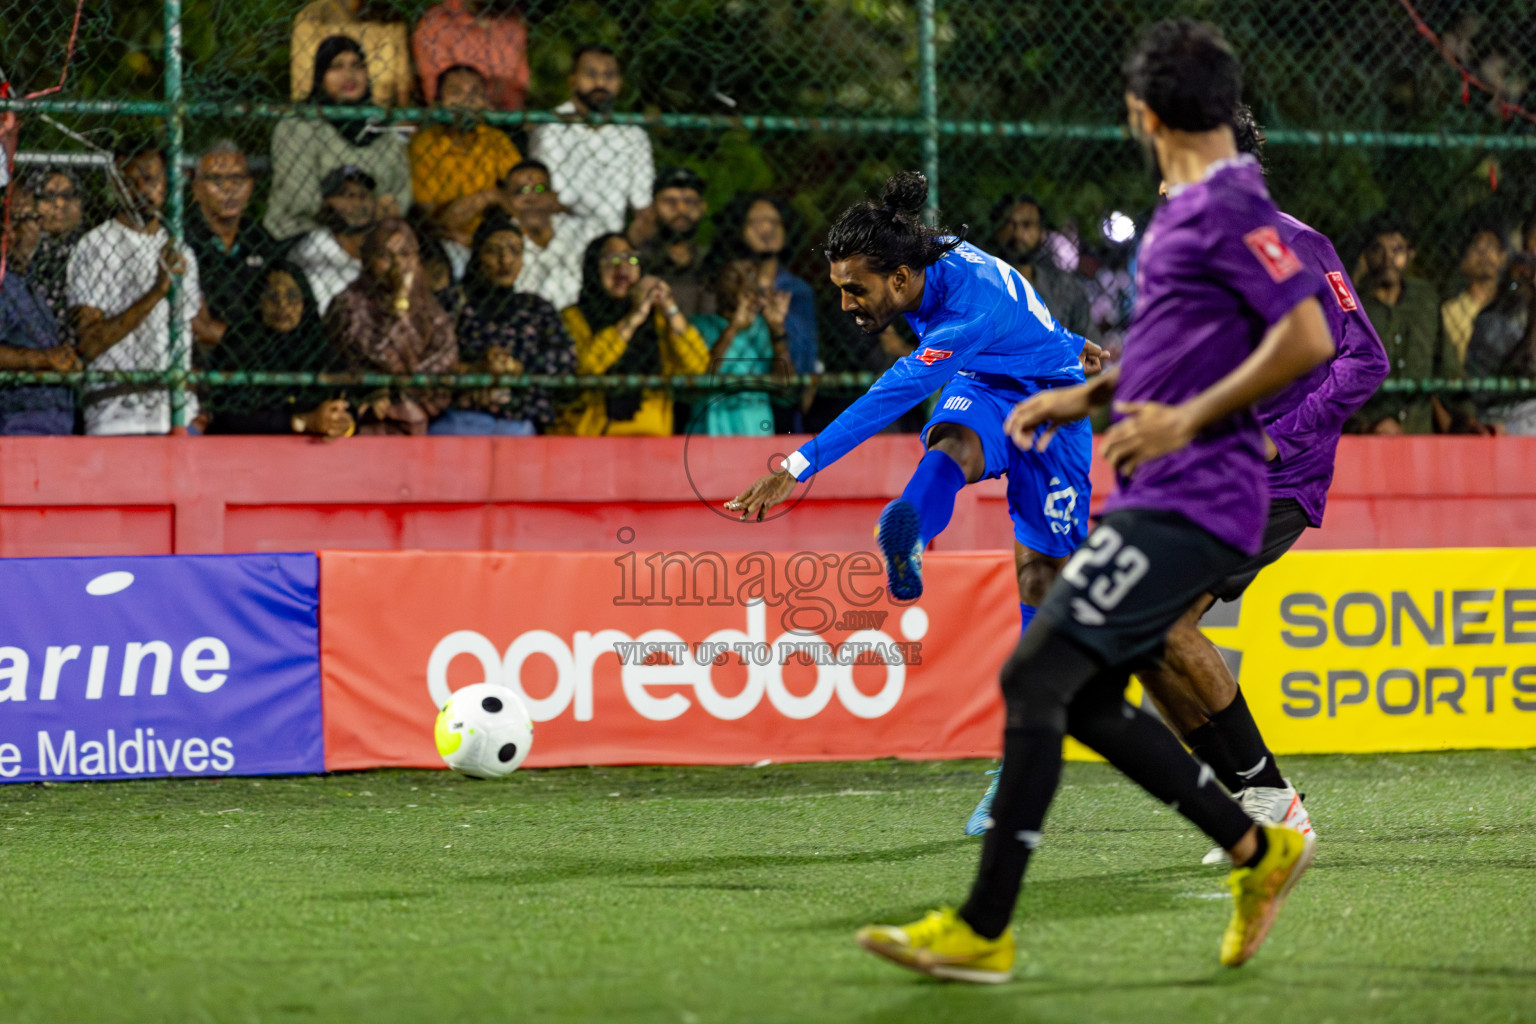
{"x": 1341, "y": 291}
{"x": 932, "y": 355}
{"x": 1277, "y": 258}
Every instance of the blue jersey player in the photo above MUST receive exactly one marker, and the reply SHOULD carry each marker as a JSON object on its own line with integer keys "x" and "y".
{"x": 985, "y": 337}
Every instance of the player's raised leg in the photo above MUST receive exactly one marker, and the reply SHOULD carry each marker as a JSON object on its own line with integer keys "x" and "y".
{"x": 926, "y": 505}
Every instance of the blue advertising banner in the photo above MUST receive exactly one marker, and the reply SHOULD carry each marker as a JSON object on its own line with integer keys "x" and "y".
{"x": 120, "y": 668}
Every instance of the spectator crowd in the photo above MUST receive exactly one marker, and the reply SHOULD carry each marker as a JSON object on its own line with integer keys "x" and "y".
{"x": 460, "y": 247}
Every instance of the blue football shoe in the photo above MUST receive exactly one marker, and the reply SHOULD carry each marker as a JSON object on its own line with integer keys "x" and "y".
{"x": 901, "y": 545}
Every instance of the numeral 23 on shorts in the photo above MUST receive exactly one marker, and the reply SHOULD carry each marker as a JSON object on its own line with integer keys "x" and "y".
{"x": 1120, "y": 567}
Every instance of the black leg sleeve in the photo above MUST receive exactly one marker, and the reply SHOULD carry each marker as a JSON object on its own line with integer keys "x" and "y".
{"x": 1143, "y": 748}
{"x": 1038, "y": 682}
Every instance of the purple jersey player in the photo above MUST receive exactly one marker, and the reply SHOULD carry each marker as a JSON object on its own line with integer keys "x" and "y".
{"x": 1226, "y": 314}
{"x": 1194, "y": 688}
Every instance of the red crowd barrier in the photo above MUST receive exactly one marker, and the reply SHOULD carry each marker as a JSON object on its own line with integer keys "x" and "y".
{"x": 162, "y": 495}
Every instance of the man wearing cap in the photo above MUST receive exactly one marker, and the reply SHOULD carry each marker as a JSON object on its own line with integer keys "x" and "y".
{"x": 677, "y": 199}
{"x": 331, "y": 255}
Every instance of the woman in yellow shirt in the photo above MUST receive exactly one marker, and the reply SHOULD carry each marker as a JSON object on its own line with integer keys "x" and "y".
{"x": 624, "y": 323}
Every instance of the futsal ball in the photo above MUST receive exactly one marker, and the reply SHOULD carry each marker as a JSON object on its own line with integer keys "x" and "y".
{"x": 484, "y": 731}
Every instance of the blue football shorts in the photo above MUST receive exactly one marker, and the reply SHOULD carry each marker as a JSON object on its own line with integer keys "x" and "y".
{"x": 1047, "y": 491}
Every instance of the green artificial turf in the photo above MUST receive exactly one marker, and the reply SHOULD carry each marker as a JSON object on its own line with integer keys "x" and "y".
{"x": 731, "y": 894}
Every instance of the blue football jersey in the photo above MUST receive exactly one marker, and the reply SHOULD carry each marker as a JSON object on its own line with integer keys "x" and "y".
{"x": 978, "y": 316}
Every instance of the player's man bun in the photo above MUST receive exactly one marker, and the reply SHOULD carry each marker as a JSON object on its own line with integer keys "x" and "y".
{"x": 891, "y": 233}
{"x": 905, "y": 192}
{"x": 1249, "y": 134}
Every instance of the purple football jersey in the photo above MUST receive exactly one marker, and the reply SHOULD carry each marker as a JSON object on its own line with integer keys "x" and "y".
{"x": 1214, "y": 276}
{"x": 1305, "y": 419}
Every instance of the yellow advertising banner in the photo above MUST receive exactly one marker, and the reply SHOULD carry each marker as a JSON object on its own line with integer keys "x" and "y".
{"x": 1360, "y": 651}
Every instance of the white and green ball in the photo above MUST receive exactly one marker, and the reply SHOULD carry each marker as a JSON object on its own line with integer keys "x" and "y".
{"x": 484, "y": 731}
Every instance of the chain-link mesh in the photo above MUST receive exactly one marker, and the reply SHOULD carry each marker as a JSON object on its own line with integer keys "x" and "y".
{"x": 302, "y": 130}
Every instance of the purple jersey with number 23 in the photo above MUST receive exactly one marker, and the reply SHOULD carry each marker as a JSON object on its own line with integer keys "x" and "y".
{"x": 1214, "y": 276}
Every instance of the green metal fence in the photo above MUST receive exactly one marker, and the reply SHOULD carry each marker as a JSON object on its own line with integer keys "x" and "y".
{"x": 816, "y": 102}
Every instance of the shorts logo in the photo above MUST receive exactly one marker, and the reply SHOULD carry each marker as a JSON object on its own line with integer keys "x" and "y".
{"x": 932, "y": 355}
{"x": 1341, "y": 291}
{"x": 1059, "y": 506}
{"x": 1278, "y": 260}
{"x": 956, "y": 403}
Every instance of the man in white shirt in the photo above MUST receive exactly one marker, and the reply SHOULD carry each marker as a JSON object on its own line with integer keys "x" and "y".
{"x": 330, "y": 255}
{"x": 599, "y": 170}
{"x": 553, "y": 242}
{"x": 118, "y": 278}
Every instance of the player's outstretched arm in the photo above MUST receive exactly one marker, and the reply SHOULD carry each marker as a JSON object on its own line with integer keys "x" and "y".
{"x": 1057, "y": 407}
{"x": 1294, "y": 345}
{"x": 897, "y": 390}
{"x": 946, "y": 351}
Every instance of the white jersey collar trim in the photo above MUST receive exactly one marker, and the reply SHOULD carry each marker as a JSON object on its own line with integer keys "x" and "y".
{"x": 1214, "y": 169}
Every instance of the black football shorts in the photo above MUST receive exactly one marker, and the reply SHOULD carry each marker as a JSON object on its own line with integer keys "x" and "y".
{"x": 1286, "y": 524}
{"x": 1137, "y": 573}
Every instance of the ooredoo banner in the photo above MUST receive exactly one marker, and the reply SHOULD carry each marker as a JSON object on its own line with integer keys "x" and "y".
{"x": 133, "y": 667}
{"x": 667, "y": 657}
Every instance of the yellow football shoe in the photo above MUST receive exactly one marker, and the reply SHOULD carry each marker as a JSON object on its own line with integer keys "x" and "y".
{"x": 942, "y": 945}
{"x": 1259, "y": 891}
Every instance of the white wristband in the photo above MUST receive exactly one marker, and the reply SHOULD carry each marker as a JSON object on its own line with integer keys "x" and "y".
{"x": 796, "y": 464}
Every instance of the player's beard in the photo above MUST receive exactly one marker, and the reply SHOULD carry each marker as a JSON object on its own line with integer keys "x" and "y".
{"x": 872, "y": 327}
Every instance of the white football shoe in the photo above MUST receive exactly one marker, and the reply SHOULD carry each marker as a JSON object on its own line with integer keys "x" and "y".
{"x": 1274, "y": 806}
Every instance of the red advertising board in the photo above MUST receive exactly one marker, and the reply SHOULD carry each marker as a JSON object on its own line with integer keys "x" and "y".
{"x": 657, "y": 657}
